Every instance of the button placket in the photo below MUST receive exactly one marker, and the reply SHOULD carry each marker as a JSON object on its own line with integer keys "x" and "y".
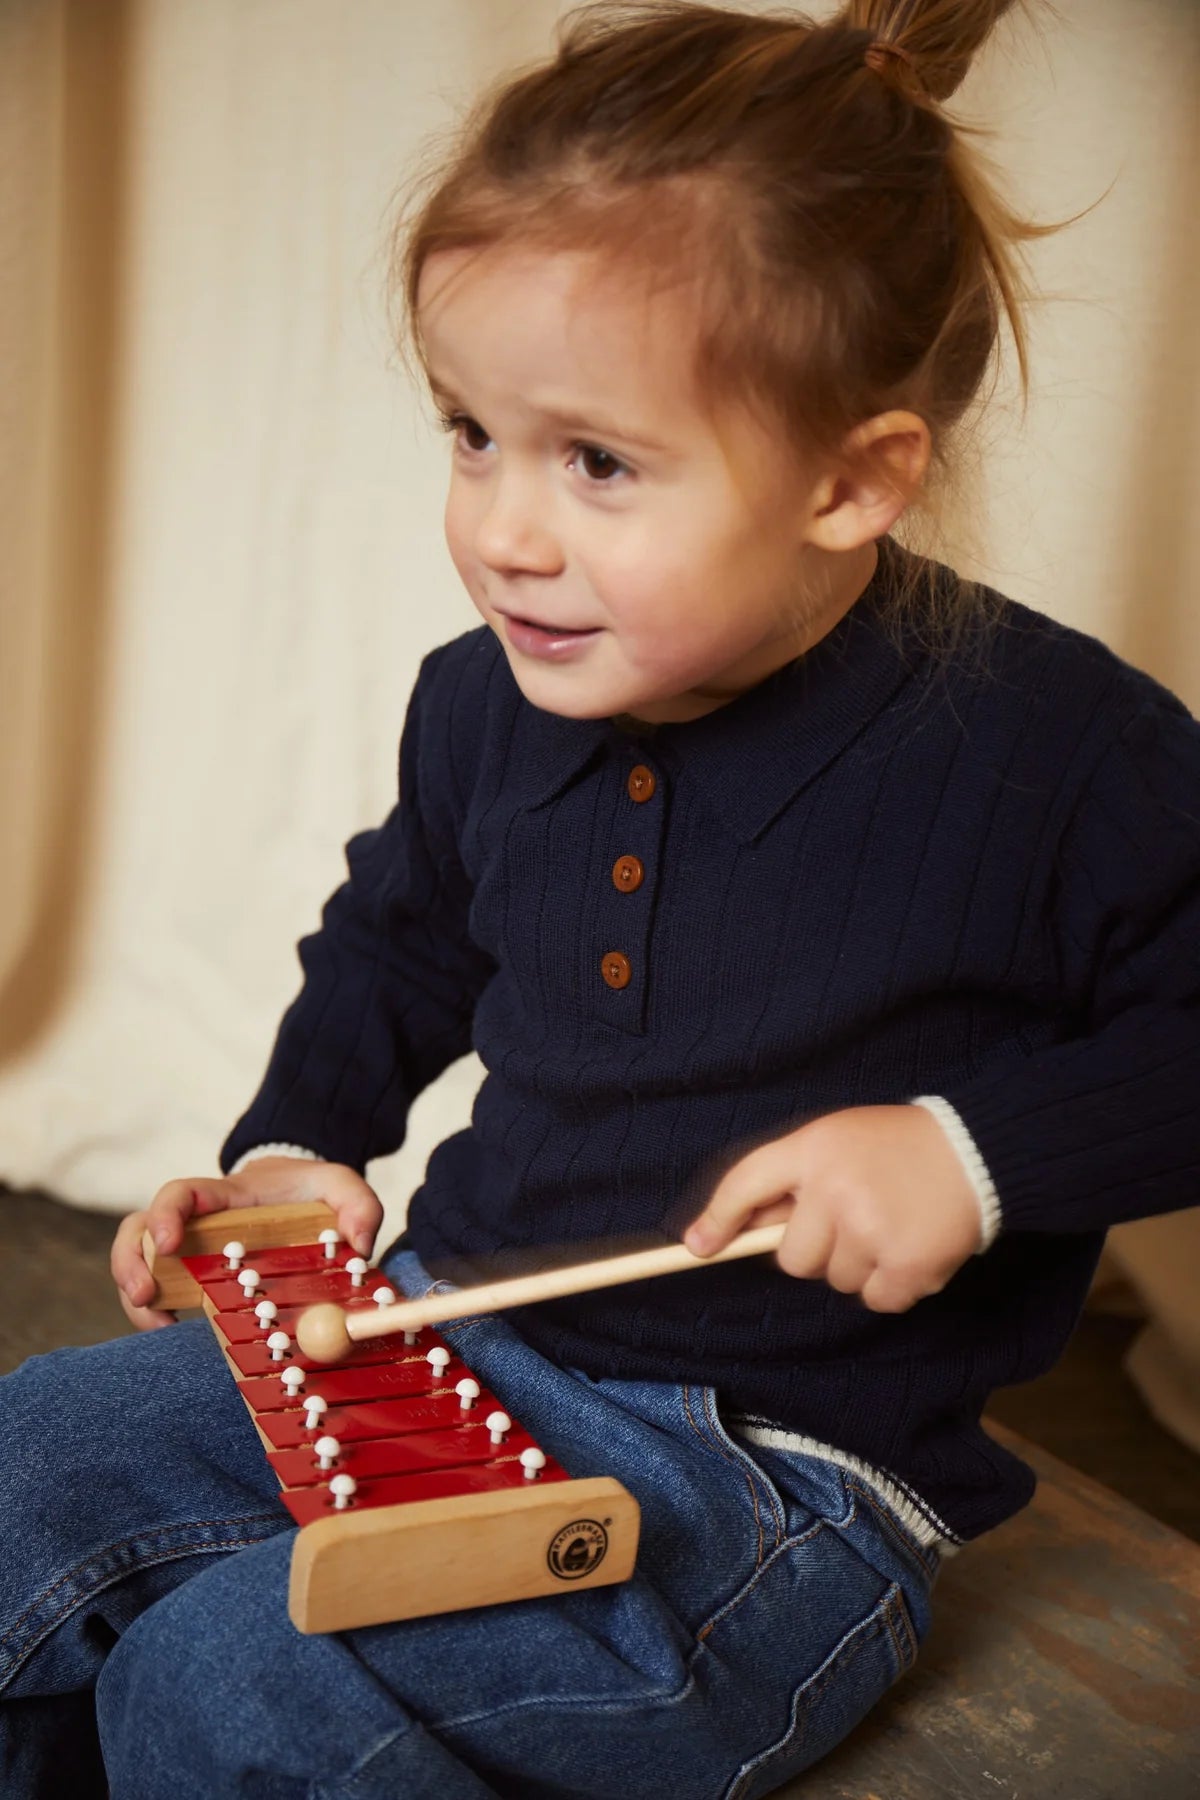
{"x": 624, "y": 907}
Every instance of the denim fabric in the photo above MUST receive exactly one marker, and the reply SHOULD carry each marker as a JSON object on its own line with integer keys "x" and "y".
{"x": 775, "y": 1600}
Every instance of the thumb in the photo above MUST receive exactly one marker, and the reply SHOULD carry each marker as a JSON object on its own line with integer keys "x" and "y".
{"x": 356, "y": 1206}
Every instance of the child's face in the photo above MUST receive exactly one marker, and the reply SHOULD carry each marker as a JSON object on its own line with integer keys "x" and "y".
{"x": 591, "y": 492}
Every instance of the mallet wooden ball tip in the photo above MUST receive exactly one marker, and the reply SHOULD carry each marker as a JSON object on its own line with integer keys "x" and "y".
{"x": 321, "y": 1333}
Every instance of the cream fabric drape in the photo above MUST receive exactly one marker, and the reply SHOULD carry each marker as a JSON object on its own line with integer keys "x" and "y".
{"x": 220, "y": 556}
{"x": 222, "y": 561}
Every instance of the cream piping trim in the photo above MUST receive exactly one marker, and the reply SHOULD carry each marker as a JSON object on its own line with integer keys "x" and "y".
{"x": 929, "y": 1531}
{"x": 968, "y": 1153}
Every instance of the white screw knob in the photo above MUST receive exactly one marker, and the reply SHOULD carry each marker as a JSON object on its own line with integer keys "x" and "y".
{"x": 266, "y": 1312}
{"x": 410, "y": 1337}
{"x": 327, "y": 1449}
{"x": 234, "y": 1253}
{"x": 437, "y": 1359}
{"x": 248, "y": 1282}
{"x": 498, "y": 1423}
{"x": 343, "y": 1488}
{"x": 468, "y": 1392}
{"x": 384, "y": 1296}
{"x": 279, "y": 1343}
{"x": 356, "y": 1268}
{"x": 293, "y": 1380}
{"x": 533, "y": 1461}
{"x": 314, "y": 1406}
{"x": 331, "y": 1239}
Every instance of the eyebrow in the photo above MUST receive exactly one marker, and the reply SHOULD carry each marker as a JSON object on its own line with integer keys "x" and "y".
{"x": 587, "y": 427}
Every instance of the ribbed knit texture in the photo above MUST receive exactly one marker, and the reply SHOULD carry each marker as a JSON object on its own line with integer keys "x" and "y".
{"x": 877, "y": 875}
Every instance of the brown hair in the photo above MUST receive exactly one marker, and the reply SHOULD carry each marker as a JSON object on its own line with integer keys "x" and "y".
{"x": 847, "y": 246}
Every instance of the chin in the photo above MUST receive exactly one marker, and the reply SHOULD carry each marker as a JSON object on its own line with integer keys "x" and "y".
{"x": 568, "y": 706}
{"x": 555, "y": 695}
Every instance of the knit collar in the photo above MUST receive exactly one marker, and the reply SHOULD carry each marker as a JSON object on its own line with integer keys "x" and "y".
{"x": 752, "y": 757}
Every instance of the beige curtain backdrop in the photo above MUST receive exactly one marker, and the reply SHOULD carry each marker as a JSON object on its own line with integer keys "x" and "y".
{"x": 219, "y": 554}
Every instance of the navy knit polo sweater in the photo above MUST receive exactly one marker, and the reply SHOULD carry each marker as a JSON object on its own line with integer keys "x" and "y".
{"x": 878, "y": 874}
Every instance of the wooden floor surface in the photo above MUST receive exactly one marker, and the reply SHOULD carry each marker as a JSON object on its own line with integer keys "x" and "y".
{"x": 1063, "y": 1664}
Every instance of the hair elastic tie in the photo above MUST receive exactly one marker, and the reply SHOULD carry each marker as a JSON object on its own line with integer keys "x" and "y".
{"x": 879, "y": 54}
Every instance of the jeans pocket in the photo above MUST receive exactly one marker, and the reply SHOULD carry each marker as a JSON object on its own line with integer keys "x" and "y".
{"x": 803, "y": 1484}
{"x": 844, "y": 1489}
{"x": 766, "y": 1503}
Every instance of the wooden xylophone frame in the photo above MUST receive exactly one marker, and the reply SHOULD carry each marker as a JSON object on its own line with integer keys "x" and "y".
{"x": 384, "y": 1563}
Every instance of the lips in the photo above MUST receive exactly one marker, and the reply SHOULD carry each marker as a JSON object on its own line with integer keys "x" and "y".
{"x": 548, "y": 643}
{"x": 550, "y": 629}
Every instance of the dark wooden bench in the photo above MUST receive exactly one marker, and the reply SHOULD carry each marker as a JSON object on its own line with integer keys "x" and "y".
{"x": 1063, "y": 1664}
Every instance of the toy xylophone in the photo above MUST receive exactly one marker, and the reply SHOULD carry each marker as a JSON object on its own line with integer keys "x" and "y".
{"x": 414, "y": 1490}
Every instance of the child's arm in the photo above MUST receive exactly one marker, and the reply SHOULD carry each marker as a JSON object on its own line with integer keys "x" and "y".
{"x": 392, "y": 977}
{"x": 1101, "y": 1127}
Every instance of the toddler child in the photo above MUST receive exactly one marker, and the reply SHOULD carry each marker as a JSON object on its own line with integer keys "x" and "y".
{"x": 774, "y": 872}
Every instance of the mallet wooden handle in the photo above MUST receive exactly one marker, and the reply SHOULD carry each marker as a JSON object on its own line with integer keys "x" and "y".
{"x": 526, "y": 1290}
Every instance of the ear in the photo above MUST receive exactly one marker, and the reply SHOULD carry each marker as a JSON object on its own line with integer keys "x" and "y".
{"x": 882, "y": 466}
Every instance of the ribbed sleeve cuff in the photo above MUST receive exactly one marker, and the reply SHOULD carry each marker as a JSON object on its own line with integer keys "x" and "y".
{"x": 977, "y": 1173}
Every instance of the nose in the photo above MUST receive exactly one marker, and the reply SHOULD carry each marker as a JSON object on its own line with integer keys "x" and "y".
{"x": 513, "y": 532}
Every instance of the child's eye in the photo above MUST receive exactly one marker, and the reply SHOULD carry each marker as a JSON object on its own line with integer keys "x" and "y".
{"x": 469, "y": 431}
{"x": 600, "y": 466}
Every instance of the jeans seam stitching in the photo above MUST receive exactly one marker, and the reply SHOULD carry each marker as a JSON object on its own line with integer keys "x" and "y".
{"x": 888, "y": 1518}
{"x": 908, "y": 1644}
{"x": 724, "y": 1454}
{"x": 731, "y": 1605}
{"x": 589, "y": 1703}
{"x": 744, "y": 1467}
{"x": 744, "y": 1459}
{"x": 20, "y": 1653}
{"x": 891, "y": 1629}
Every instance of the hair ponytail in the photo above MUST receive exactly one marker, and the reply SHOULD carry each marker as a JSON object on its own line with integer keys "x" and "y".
{"x": 937, "y": 38}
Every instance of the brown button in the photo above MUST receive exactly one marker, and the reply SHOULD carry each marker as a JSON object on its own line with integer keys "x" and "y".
{"x": 615, "y": 969}
{"x": 641, "y": 783}
{"x": 628, "y": 874}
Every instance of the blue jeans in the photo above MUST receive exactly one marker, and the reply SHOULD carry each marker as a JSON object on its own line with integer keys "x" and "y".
{"x": 145, "y": 1642}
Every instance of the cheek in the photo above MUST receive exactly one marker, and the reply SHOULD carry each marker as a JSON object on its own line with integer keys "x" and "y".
{"x": 456, "y": 524}
{"x": 675, "y": 608}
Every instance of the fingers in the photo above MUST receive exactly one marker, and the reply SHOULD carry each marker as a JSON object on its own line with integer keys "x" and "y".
{"x": 809, "y": 1243}
{"x": 177, "y": 1202}
{"x": 135, "y": 1283}
{"x": 890, "y": 1291}
{"x": 144, "y": 1318}
{"x": 165, "y": 1219}
{"x": 896, "y": 1289}
{"x": 768, "y": 1176}
{"x": 276, "y": 1179}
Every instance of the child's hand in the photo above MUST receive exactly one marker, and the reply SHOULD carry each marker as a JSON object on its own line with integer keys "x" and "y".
{"x": 877, "y": 1202}
{"x": 270, "y": 1180}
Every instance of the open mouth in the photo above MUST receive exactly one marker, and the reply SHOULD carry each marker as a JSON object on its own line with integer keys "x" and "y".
{"x": 553, "y": 643}
{"x": 552, "y": 630}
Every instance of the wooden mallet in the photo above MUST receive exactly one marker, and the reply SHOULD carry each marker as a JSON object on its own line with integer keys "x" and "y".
{"x": 326, "y": 1333}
